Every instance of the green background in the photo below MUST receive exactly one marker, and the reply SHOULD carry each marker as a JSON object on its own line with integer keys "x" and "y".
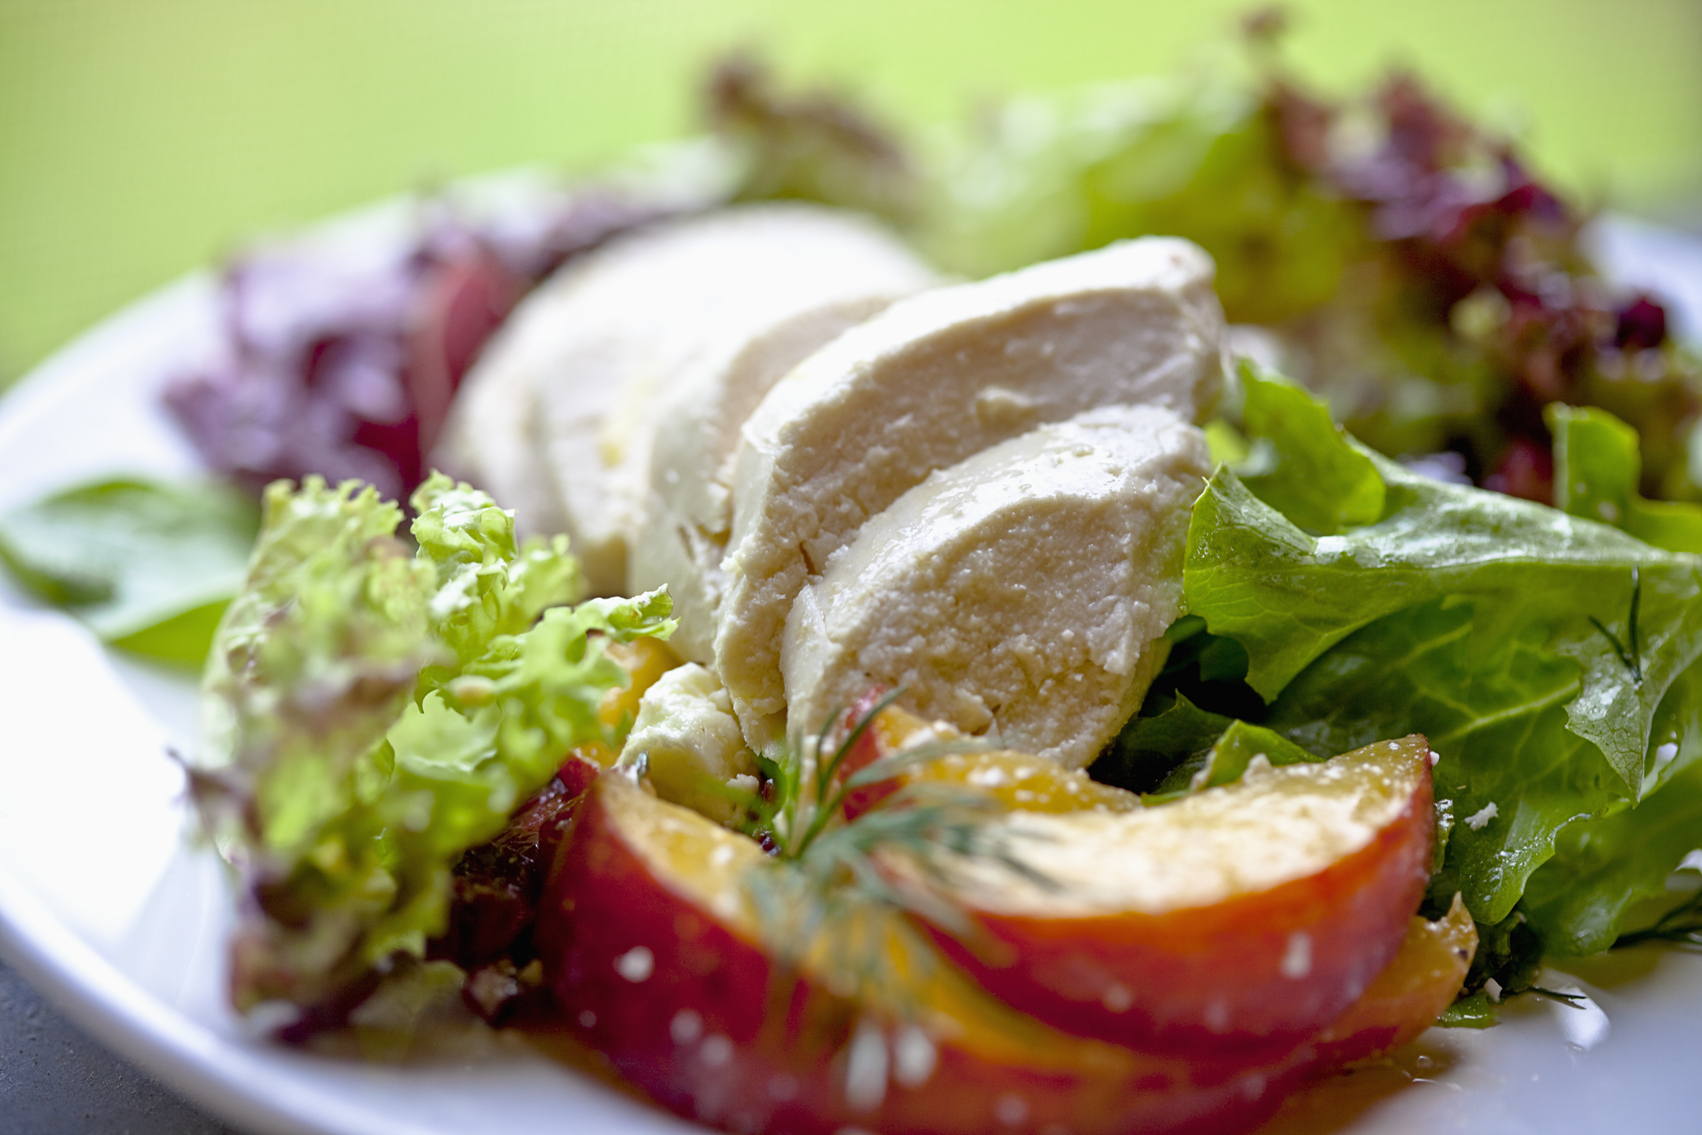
{"x": 139, "y": 138}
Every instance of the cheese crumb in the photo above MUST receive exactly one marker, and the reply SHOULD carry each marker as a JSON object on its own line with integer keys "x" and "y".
{"x": 913, "y": 1057}
{"x": 1477, "y": 820}
{"x": 686, "y": 1027}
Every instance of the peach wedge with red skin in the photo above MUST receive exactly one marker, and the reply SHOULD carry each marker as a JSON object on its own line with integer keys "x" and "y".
{"x": 1247, "y": 916}
{"x": 1410, "y": 993}
{"x": 657, "y": 959}
{"x": 1009, "y": 779}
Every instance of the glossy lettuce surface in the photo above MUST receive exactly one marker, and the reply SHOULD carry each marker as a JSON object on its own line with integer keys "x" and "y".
{"x": 1552, "y": 660}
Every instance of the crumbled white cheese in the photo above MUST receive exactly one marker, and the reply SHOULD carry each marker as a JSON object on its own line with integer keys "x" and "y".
{"x": 685, "y": 724}
{"x": 1478, "y": 819}
{"x": 913, "y": 1057}
{"x": 1010, "y": 1109}
{"x": 686, "y": 1026}
{"x": 866, "y": 1068}
{"x": 717, "y": 1051}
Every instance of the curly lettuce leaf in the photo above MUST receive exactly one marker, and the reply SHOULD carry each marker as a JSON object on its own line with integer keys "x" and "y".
{"x": 373, "y": 710}
{"x": 1533, "y": 648}
{"x": 148, "y": 567}
{"x": 809, "y": 146}
{"x": 487, "y": 584}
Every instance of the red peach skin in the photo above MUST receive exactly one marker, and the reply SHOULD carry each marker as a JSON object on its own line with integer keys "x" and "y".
{"x": 1408, "y": 996}
{"x": 1331, "y": 860}
{"x": 656, "y": 958}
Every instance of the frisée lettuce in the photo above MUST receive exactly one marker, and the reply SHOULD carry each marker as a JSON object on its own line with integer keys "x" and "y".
{"x": 372, "y": 710}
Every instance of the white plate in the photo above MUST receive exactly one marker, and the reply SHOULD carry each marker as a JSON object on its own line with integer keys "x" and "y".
{"x": 110, "y": 912}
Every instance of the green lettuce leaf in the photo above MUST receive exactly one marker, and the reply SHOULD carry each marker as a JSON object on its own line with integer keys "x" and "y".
{"x": 1198, "y": 157}
{"x": 372, "y": 710}
{"x": 148, "y": 567}
{"x": 1532, "y": 648}
{"x": 1604, "y": 867}
{"x": 1319, "y": 481}
{"x": 1153, "y": 746}
{"x": 1597, "y": 465}
{"x": 1240, "y": 745}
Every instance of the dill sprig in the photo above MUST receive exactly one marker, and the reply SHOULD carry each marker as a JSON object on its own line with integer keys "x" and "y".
{"x": 835, "y": 890}
{"x": 1682, "y": 925}
{"x": 807, "y": 790}
{"x": 1570, "y": 1000}
{"x": 1632, "y": 658}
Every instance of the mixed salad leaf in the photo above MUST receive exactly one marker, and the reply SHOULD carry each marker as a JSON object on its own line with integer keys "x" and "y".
{"x": 378, "y": 707}
{"x": 340, "y": 358}
{"x": 1394, "y": 257}
{"x": 375, "y": 710}
{"x": 1552, "y": 661}
{"x": 148, "y": 567}
{"x": 1402, "y": 262}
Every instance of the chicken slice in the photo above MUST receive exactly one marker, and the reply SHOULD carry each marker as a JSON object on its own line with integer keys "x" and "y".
{"x": 930, "y": 381}
{"x": 1023, "y": 592}
{"x": 555, "y": 421}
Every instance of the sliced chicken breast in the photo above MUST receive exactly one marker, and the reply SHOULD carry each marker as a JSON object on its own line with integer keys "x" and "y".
{"x": 557, "y": 418}
{"x": 930, "y": 381}
{"x": 682, "y": 532}
{"x": 1023, "y": 592}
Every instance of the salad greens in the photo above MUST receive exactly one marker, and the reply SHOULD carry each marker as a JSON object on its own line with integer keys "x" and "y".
{"x": 1552, "y": 661}
{"x": 373, "y": 711}
{"x": 148, "y": 567}
{"x": 1401, "y": 261}
{"x": 1597, "y": 471}
{"x": 375, "y": 707}
{"x": 1047, "y": 177}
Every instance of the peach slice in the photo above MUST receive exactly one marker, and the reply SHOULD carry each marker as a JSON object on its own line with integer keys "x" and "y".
{"x": 645, "y": 660}
{"x": 1016, "y": 781}
{"x": 1244, "y": 916}
{"x": 1410, "y": 993}
{"x": 659, "y": 960}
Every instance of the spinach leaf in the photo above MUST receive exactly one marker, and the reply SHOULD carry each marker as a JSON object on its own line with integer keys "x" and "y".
{"x": 149, "y": 567}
